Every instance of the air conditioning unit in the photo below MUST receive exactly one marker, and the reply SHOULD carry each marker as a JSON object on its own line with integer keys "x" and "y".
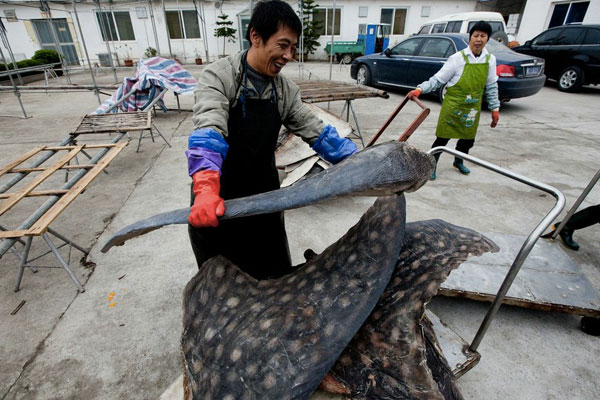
{"x": 104, "y": 59}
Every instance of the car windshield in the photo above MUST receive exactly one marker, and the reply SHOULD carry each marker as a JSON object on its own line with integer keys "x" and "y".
{"x": 496, "y": 47}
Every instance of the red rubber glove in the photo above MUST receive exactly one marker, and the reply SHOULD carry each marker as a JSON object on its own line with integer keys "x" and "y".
{"x": 414, "y": 94}
{"x": 495, "y": 118}
{"x": 208, "y": 205}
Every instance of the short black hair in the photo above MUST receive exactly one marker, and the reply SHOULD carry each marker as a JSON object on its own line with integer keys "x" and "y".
{"x": 269, "y": 15}
{"x": 481, "y": 26}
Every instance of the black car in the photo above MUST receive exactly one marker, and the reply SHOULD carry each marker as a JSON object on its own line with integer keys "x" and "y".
{"x": 419, "y": 57}
{"x": 572, "y": 54}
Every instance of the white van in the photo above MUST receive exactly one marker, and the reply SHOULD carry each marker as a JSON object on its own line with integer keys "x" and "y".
{"x": 463, "y": 22}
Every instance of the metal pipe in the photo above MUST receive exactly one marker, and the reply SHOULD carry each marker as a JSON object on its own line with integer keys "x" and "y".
{"x": 14, "y": 86}
{"x": 575, "y": 206}
{"x": 46, "y": 8}
{"x": 10, "y": 52}
{"x": 167, "y": 28}
{"x": 43, "y": 157}
{"x": 105, "y": 36}
{"x": 87, "y": 56}
{"x": 8, "y": 243}
{"x": 331, "y": 49}
{"x": 154, "y": 26}
{"x": 527, "y": 245}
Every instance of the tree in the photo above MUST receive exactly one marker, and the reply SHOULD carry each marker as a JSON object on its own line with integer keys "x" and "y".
{"x": 224, "y": 29}
{"x": 310, "y": 27}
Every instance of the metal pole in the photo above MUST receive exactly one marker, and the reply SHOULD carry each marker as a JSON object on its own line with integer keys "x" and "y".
{"x": 529, "y": 242}
{"x": 87, "y": 56}
{"x": 8, "y": 243}
{"x": 14, "y": 86}
{"x": 575, "y": 206}
{"x": 204, "y": 30}
{"x": 10, "y": 52}
{"x": 301, "y": 58}
{"x": 154, "y": 26}
{"x": 167, "y": 28}
{"x": 105, "y": 35}
{"x": 331, "y": 48}
{"x": 46, "y": 8}
{"x": 180, "y": 17}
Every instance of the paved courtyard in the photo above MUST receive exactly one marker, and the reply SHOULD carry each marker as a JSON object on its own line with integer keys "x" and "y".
{"x": 120, "y": 338}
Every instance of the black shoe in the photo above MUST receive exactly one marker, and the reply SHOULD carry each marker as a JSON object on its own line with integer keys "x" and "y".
{"x": 590, "y": 325}
{"x": 567, "y": 237}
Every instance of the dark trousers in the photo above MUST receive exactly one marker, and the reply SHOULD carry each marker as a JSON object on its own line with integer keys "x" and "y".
{"x": 463, "y": 145}
{"x": 584, "y": 218}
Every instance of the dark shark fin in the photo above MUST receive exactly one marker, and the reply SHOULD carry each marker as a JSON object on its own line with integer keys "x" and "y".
{"x": 388, "y": 357}
{"x": 276, "y": 339}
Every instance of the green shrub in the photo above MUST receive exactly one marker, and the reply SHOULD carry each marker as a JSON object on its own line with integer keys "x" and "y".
{"x": 28, "y": 63}
{"x": 46, "y": 56}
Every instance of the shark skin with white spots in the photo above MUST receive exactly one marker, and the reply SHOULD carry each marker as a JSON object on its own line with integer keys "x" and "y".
{"x": 276, "y": 339}
{"x": 395, "y": 354}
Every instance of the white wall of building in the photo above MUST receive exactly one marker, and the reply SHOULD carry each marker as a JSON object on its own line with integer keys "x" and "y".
{"x": 537, "y": 14}
{"x": 414, "y": 20}
{"x": 23, "y": 39}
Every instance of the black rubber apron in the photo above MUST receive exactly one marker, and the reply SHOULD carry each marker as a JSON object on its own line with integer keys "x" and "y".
{"x": 258, "y": 245}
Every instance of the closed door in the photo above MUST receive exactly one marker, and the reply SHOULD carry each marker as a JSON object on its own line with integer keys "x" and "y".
{"x": 46, "y": 39}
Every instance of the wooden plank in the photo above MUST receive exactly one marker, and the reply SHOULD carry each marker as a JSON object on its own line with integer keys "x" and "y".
{"x": 72, "y": 166}
{"x": 131, "y": 121}
{"x": 12, "y": 234}
{"x": 20, "y": 160}
{"x": 85, "y": 146}
{"x": 14, "y": 199}
{"x": 38, "y": 193}
{"x": 41, "y": 225}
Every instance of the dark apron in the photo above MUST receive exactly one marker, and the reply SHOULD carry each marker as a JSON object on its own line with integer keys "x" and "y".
{"x": 257, "y": 245}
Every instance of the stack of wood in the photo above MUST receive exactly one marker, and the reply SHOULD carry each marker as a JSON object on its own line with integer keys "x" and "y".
{"x": 296, "y": 158}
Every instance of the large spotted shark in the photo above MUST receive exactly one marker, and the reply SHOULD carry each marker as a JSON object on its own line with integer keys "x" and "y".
{"x": 349, "y": 319}
{"x": 352, "y": 315}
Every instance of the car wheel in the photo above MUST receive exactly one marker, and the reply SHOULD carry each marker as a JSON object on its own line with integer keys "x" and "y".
{"x": 501, "y": 37}
{"x": 571, "y": 79}
{"x": 442, "y": 93}
{"x": 346, "y": 58}
{"x": 363, "y": 76}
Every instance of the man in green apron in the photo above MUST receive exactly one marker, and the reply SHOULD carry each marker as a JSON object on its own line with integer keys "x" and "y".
{"x": 241, "y": 103}
{"x": 468, "y": 75}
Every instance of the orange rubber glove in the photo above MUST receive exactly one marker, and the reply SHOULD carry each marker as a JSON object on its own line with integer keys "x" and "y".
{"x": 208, "y": 205}
{"x": 414, "y": 93}
{"x": 495, "y": 118}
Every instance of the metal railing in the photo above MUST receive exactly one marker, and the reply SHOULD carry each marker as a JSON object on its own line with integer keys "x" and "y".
{"x": 527, "y": 245}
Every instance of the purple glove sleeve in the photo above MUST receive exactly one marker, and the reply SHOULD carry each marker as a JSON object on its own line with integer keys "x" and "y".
{"x": 200, "y": 158}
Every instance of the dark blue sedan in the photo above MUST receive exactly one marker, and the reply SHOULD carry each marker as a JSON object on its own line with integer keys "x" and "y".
{"x": 418, "y": 58}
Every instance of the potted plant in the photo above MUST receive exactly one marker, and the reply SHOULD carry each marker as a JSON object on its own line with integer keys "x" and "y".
{"x": 150, "y": 52}
{"x": 127, "y": 61}
{"x": 198, "y": 58}
{"x": 224, "y": 30}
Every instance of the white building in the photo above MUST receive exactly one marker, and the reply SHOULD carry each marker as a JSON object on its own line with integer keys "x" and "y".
{"x": 175, "y": 27}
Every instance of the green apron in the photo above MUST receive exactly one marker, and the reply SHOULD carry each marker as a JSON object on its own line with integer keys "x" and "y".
{"x": 459, "y": 117}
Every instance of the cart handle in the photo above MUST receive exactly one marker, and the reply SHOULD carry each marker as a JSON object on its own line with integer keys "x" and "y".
{"x": 411, "y": 128}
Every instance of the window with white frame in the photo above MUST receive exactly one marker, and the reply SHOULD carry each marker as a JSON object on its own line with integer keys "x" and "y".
{"x": 115, "y": 25}
{"x": 568, "y": 12}
{"x": 326, "y": 16}
{"x": 396, "y": 17}
{"x": 183, "y": 24}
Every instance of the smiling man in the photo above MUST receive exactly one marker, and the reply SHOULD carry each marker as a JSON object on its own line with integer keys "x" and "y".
{"x": 241, "y": 103}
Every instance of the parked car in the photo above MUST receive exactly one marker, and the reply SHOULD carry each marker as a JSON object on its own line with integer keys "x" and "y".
{"x": 418, "y": 58}
{"x": 463, "y": 22}
{"x": 572, "y": 54}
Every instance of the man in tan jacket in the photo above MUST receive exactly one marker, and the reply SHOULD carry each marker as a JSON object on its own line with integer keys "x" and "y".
{"x": 241, "y": 103}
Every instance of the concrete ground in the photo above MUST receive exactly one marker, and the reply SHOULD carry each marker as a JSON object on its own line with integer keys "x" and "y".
{"x": 119, "y": 339}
